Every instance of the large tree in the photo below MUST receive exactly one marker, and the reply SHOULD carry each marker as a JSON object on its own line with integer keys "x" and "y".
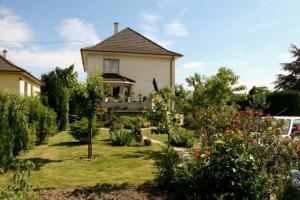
{"x": 291, "y": 80}
{"x": 214, "y": 90}
{"x": 58, "y": 86}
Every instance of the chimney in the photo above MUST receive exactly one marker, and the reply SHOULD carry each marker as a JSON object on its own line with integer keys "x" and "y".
{"x": 4, "y": 53}
{"x": 116, "y": 27}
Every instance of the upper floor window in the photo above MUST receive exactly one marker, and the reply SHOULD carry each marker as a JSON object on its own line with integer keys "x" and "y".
{"x": 111, "y": 66}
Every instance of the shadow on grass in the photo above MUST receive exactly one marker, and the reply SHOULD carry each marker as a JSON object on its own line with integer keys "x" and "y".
{"x": 146, "y": 154}
{"x": 40, "y": 162}
{"x": 69, "y": 144}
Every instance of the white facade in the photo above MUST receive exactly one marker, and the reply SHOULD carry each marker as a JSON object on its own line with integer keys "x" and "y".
{"x": 138, "y": 67}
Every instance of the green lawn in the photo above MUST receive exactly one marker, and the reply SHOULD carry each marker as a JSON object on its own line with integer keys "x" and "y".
{"x": 159, "y": 137}
{"x": 57, "y": 164}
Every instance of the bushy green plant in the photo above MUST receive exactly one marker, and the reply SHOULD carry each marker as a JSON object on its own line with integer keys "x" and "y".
{"x": 21, "y": 183}
{"x": 79, "y": 130}
{"x": 129, "y": 122}
{"x": 43, "y": 120}
{"x": 246, "y": 159}
{"x": 167, "y": 169}
{"x": 23, "y": 122}
{"x": 121, "y": 137}
{"x": 182, "y": 138}
{"x": 16, "y": 135}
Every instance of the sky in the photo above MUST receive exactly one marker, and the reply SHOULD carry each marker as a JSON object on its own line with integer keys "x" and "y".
{"x": 251, "y": 37}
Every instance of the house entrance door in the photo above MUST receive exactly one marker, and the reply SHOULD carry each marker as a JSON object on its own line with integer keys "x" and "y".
{"x": 116, "y": 91}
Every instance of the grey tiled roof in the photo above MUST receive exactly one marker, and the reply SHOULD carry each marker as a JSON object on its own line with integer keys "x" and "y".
{"x": 130, "y": 41}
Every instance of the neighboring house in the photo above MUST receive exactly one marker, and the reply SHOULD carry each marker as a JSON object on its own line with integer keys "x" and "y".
{"x": 129, "y": 62}
{"x": 17, "y": 79}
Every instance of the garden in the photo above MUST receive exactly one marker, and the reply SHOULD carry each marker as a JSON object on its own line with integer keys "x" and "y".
{"x": 62, "y": 146}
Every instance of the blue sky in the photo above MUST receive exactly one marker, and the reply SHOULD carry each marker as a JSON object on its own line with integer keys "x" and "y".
{"x": 251, "y": 37}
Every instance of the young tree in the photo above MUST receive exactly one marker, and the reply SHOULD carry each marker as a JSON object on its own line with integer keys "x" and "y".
{"x": 161, "y": 115}
{"x": 90, "y": 95}
{"x": 291, "y": 81}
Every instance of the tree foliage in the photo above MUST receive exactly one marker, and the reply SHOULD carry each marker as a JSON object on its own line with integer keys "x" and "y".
{"x": 90, "y": 95}
{"x": 217, "y": 89}
{"x": 59, "y": 85}
{"x": 290, "y": 81}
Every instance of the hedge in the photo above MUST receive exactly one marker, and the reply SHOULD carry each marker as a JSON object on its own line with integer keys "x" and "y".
{"x": 284, "y": 103}
{"x": 23, "y": 122}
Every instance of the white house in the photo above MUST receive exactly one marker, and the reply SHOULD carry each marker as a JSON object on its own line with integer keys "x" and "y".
{"x": 129, "y": 62}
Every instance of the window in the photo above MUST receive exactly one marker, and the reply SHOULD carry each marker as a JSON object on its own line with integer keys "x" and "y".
{"x": 111, "y": 66}
{"x": 25, "y": 88}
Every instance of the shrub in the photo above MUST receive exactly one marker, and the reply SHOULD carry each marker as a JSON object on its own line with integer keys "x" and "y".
{"x": 79, "y": 130}
{"x": 21, "y": 183}
{"x": 182, "y": 138}
{"x": 129, "y": 122}
{"x": 23, "y": 122}
{"x": 16, "y": 136}
{"x": 43, "y": 119}
{"x": 121, "y": 137}
{"x": 285, "y": 103}
{"x": 246, "y": 159}
{"x": 166, "y": 174}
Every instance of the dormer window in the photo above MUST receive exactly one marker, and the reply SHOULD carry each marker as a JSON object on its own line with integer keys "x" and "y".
{"x": 111, "y": 66}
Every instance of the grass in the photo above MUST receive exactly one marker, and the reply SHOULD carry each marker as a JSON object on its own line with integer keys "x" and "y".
{"x": 159, "y": 137}
{"x": 57, "y": 164}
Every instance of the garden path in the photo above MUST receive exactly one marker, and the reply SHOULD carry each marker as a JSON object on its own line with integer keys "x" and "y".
{"x": 184, "y": 152}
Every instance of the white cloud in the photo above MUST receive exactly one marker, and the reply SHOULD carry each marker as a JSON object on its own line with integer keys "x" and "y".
{"x": 75, "y": 29}
{"x": 193, "y": 65}
{"x": 47, "y": 59}
{"x": 149, "y": 18}
{"x": 13, "y": 28}
{"x": 175, "y": 28}
{"x": 37, "y": 57}
{"x": 285, "y": 58}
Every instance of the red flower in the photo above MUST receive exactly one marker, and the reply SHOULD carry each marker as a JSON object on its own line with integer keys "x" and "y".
{"x": 197, "y": 154}
{"x": 207, "y": 153}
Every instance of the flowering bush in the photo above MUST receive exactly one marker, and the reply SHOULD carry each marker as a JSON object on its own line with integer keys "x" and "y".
{"x": 242, "y": 157}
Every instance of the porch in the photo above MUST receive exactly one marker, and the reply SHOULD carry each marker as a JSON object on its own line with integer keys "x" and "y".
{"x": 122, "y": 98}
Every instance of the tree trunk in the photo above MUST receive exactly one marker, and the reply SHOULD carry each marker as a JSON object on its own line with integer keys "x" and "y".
{"x": 90, "y": 145}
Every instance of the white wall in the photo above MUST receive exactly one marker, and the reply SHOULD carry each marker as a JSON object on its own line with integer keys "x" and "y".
{"x": 142, "y": 69}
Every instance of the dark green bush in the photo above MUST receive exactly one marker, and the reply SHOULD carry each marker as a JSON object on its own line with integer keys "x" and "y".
{"x": 43, "y": 119}
{"x": 167, "y": 170}
{"x": 129, "y": 122}
{"x": 182, "y": 138}
{"x": 15, "y": 135}
{"x": 121, "y": 137}
{"x": 284, "y": 103}
{"x": 23, "y": 122}
{"x": 79, "y": 130}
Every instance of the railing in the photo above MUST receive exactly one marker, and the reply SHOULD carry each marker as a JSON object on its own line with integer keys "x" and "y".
{"x": 127, "y": 106}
